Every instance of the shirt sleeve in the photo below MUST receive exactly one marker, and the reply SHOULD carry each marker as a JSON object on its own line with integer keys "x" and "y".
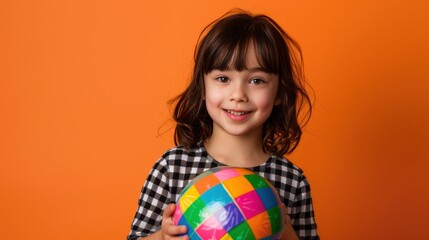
{"x": 302, "y": 215}
{"x": 154, "y": 197}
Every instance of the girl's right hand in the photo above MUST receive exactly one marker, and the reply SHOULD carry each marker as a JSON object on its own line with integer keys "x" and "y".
{"x": 168, "y": 229}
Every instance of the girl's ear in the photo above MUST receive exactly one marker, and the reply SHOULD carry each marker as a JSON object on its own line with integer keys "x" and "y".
{"x": 277, "y": 101}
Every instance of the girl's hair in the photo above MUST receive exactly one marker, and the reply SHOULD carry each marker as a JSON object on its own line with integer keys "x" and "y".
{"x": 223, "y": 45}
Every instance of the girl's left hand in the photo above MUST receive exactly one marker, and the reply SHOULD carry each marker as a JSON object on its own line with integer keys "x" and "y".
{"x": 288, "y": 231}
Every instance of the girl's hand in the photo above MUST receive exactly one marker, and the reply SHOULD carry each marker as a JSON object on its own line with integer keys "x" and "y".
{"x": 288, "y": 232}
{"x": 168, "y": 229}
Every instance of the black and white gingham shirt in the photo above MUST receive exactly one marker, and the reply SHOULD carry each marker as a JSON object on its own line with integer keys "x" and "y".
{"x": 178, "y": 166}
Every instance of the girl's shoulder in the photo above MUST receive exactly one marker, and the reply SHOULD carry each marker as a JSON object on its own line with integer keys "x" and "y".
{"x": 182, "y": 153}
{"x": 186, "y": 160}
{"x": 285, "y": 176}
{"x": 281, "y": 170}
{"x": 285, "y": 165}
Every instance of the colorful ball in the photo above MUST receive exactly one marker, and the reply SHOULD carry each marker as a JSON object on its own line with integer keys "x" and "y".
{"x": 230, "y": 203}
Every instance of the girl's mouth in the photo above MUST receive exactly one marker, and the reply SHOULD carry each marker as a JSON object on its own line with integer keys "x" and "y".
{"x": 237, "y": 113}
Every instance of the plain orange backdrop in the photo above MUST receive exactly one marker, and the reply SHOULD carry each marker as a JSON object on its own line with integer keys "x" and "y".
{"x": 83, "y": 92}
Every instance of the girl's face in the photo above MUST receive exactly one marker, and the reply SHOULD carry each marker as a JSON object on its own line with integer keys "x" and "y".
{"x": 239, "y": 102}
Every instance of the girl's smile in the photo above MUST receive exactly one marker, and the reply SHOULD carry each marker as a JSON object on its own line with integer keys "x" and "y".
{"x": 237, "y": 115}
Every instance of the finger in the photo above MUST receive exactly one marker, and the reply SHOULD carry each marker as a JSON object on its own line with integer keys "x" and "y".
{"x": 185, "y": 237}
{"x": 167, "y": 215}
{"x": 284, "y": 208}
{"x": 169, "y": 211}
{"x": 287, "y": 219}
{"x": 173, "y": 230}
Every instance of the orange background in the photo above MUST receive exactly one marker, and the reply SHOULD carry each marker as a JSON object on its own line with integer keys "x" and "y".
{"x": 83, "y": 92}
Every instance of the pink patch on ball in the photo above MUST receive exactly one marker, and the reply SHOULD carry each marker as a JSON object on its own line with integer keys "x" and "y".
{"x": 211, "y": 229}
{"x": 226, "y": 174}
{"x": 250, "y": 204}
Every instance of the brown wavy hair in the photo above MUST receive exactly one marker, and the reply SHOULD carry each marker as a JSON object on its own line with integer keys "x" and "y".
{"x": 223, "y": 45}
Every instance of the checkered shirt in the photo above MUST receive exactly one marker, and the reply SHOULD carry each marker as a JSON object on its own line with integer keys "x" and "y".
{"x": 178, "y": 166}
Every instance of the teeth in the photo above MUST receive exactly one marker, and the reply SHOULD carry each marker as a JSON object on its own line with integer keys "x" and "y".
{"x": 236, "y": 113}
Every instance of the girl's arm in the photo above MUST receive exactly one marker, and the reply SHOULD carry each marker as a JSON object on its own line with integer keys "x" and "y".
{"x": 302, "y": 213}
{"x": 154, "y": 198}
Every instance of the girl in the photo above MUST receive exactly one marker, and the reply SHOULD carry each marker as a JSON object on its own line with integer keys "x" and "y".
{"x": 241, "y": 109}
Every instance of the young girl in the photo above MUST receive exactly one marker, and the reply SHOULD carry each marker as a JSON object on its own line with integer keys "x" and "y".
{"x": 241, "y": 109}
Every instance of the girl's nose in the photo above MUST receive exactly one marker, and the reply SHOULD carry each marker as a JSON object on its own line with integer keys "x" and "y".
{"x": 239, "y": 93}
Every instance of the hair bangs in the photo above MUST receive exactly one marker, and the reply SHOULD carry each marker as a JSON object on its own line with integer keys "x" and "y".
{"x": 266, "y": 47}
{"x": 229, "y": 52}
{"x": 229, "y": 48}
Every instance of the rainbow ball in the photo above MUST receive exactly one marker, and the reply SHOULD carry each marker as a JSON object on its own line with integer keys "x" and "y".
{"x": 230, "y": 203}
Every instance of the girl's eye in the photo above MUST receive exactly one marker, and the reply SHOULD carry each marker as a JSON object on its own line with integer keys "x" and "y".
{"x": 222, "y": 79}
{"x": 257, "y": 81}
